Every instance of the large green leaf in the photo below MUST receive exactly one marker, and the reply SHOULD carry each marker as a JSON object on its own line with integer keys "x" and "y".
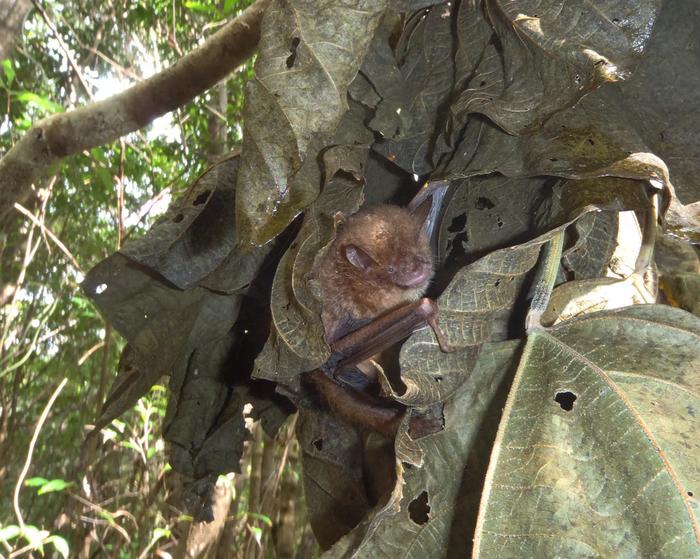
{"x": 596, "y": 455}
{"x": 480, "y": 295}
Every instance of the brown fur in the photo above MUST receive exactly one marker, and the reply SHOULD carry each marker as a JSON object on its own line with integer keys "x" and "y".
{"x": 399, "y": 268}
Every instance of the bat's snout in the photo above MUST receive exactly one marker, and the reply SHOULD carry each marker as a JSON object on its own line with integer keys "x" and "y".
{"x": 419, "y": 274}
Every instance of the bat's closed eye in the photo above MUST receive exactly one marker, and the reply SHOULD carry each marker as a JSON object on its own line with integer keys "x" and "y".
{"x": 358, "y": 257}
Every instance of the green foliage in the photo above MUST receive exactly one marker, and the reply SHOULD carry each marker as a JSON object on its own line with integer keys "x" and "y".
{"x": 46, "y": 486}
{"x": 33, "y": 539}
{"x": 51, "y": 330}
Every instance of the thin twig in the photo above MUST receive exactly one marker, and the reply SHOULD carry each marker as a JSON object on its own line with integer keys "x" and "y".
{"x": 64, "y": 48}
{"x": 29, "y": 252}
{"x": 89, "y": 352}
{"x": 30, "y": 452}
{"x": 120, "y": 196}
{"x": 25, "y": 212}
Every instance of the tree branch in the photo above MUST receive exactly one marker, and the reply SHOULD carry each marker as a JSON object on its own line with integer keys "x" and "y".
{"x": 95, "y": 124}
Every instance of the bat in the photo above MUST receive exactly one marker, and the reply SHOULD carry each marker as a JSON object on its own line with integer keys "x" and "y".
{"x": 372, "y": 278}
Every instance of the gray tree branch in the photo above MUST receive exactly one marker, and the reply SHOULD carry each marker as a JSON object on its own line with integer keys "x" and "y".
{"x": 95, "y": 124}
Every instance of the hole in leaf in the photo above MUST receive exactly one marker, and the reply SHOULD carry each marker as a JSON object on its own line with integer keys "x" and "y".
{"x": 484, "y": 204}
{"x": 318, "y": 443}
{"x": 419, "y": 508}
{"x": 178, "y": 218}
{"x": 565, "y": 400}
{"x": 458, "y": 244}
{"x": 201, "y": 198}
{"x": 293, "y": 49}
{"x": 458, "y": 223}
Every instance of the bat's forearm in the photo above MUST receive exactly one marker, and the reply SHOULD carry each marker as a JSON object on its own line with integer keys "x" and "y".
{"x": 385, "y": 331}
{"x": 366, "y": 412}
{"x": 357, "y": 408}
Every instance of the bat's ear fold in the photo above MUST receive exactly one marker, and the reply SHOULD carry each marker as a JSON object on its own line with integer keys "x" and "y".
{"x": 423, "y": 210}
{"x": 358, "y": 257}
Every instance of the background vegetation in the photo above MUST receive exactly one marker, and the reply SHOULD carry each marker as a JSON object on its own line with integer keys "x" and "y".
{"x": 108, "y": 497}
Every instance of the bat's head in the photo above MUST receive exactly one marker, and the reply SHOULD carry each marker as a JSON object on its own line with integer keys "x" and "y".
{"x": 389, "y": 248}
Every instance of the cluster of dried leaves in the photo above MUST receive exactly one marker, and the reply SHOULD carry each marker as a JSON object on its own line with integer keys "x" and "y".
{"x": 543, "y": 116}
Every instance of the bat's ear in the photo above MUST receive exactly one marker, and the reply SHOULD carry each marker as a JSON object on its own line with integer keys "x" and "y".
{"x": 358, "y": 257}
{"x": 427, "y": 203}
{"x": 338, "y": 219}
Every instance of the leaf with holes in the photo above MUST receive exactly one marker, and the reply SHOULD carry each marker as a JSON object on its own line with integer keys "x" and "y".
{"x": 546, "y": 55}
{"x": 336, "y": 487}
{"x": 487, "y": 213}
{"x": 195, "y": 241}
{"x": 480, "y": 295}
{"x": 309, "y": 53}
{"x": 439, "y": 502}
{"x": 596, "y": 454}
{"x": 475, "y": 308}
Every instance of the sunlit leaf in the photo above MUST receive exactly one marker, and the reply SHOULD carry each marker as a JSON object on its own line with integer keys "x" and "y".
{"x": 39, "y": 101}
{"x": 60, "y": 544}
{"x": 159, "y": 533}
{"x": 55, "y": 485}
{"x": 9, "y": 533}
{"x": 34, "y": 536}
{"x": 200, "y": 7}
{"x": 9, "y": 71}
{"x": 36, "y": 481}
{"x": 596, "y": 453}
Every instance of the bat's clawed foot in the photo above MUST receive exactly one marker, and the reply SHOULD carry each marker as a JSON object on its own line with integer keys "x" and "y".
{"x": 428, "y": 308}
